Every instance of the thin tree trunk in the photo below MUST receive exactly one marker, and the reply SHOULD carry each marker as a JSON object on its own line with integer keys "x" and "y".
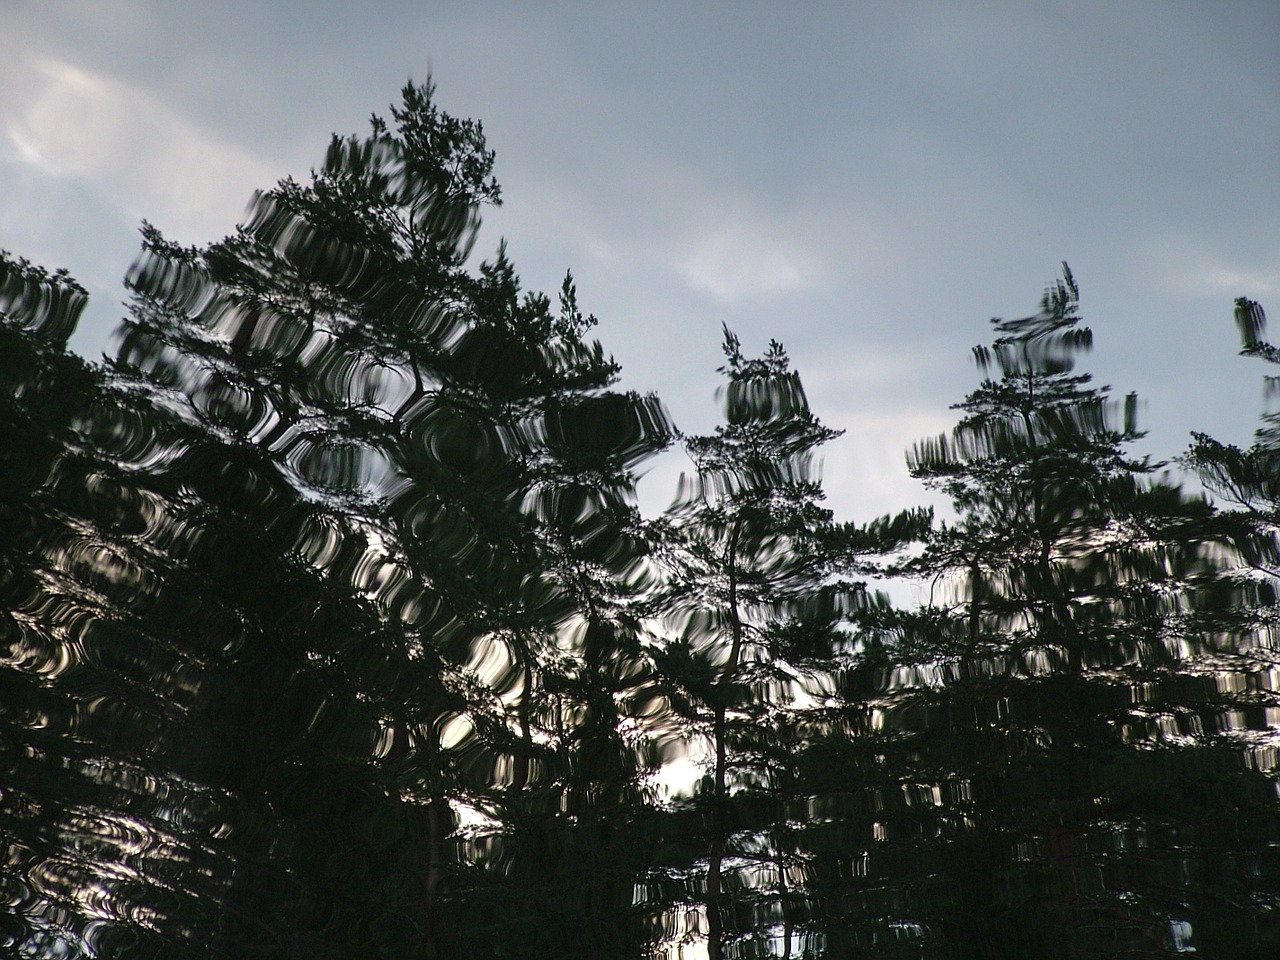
{"x": 719, "y": 826}
{"x": 715, "y": 932}
{"x": 431, "y": 946}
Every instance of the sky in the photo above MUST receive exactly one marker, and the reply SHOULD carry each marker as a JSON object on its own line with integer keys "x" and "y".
{"x": 867, "y": 182}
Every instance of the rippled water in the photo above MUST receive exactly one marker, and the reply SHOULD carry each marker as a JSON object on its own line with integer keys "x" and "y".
{"x": 328, "y": 630}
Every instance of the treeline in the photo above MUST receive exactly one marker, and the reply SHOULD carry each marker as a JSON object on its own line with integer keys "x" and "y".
{"x": 331, "y": 629}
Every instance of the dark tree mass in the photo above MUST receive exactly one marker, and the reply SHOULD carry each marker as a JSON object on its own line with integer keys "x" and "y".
{"x": 331, "y": 628}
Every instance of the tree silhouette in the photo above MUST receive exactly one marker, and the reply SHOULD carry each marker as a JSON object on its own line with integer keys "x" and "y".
{"x": 104, "y": 827}
{"x": 472, "y": 471}
{"x": 367, "y": 494}
{"x": 331, "y": 628}
{"x": 1061, "y": 703}
{"x": 760, "y": 605}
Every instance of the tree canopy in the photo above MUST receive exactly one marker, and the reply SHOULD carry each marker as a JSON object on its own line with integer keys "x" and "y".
{"x": 332, "y": 627}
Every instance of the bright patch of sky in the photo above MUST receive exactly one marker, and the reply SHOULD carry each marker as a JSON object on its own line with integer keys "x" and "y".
{"x": 868, "y": 183}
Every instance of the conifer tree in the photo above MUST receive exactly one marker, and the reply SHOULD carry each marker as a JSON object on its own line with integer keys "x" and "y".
{"x": 1248, "y": 481}
{"x": 759, "y": 603}
{"x": 331, "y": 628}
{"x": 1058, "y": 690}
{"x": 469, "y": 467}
{"x": 106, "y": 832}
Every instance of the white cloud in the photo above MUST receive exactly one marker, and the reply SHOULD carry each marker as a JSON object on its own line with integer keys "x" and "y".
{"x": 1189, "y": 267}
{"x": 865, "y": 472}
{"x": 746, "y": 258}
{"x": 124, "y": 142}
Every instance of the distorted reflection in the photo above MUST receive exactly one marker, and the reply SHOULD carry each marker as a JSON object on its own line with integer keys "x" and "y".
{"x": 331, "y": 629}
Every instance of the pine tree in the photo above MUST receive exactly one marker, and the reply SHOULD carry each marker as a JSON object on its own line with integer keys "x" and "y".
{"x": 759, "y": 606}
{"x": 1059, "y": 696}
{"x": 1242, "y": 615}
{"x": 1249, "y": 480}
{"x": 442, "y": 447}
{"x": 104, "y": 829}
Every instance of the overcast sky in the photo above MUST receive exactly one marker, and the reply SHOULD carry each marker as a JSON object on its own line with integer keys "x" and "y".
{"x": 868, "y": 182}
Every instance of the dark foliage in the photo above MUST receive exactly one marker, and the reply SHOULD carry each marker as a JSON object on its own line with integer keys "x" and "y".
{"x": 331, "y": 629}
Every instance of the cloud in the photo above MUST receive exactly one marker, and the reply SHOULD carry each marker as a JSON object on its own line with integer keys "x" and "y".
{"x": 747, "y": 258}
{"x": 1198, "y": 268}
{"x": 129, "y": 145}
{"x": 865, "y": 472}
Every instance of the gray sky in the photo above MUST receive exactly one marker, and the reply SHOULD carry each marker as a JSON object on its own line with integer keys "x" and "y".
{"x": 867, "y": 182}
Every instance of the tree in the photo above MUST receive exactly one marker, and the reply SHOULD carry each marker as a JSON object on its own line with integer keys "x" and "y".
{"x": 759, "y": 602}
{"x": 107, "y": 852}
{"x": 1249, "y": 480}
{"x": 330, "y": 480}
{"x": 445, "y": 451}
{"x": 1243, "y": 614}
{"x": 1060, "y": 702}
{"x": 332, "y": 628}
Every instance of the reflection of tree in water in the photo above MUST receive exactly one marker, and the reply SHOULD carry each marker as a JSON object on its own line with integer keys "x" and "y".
{"x": 1072, "y": 693}
{"x": 331, "y": 629}
{"x": 759, "y": 601}
{"x": 94, "y": 832}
